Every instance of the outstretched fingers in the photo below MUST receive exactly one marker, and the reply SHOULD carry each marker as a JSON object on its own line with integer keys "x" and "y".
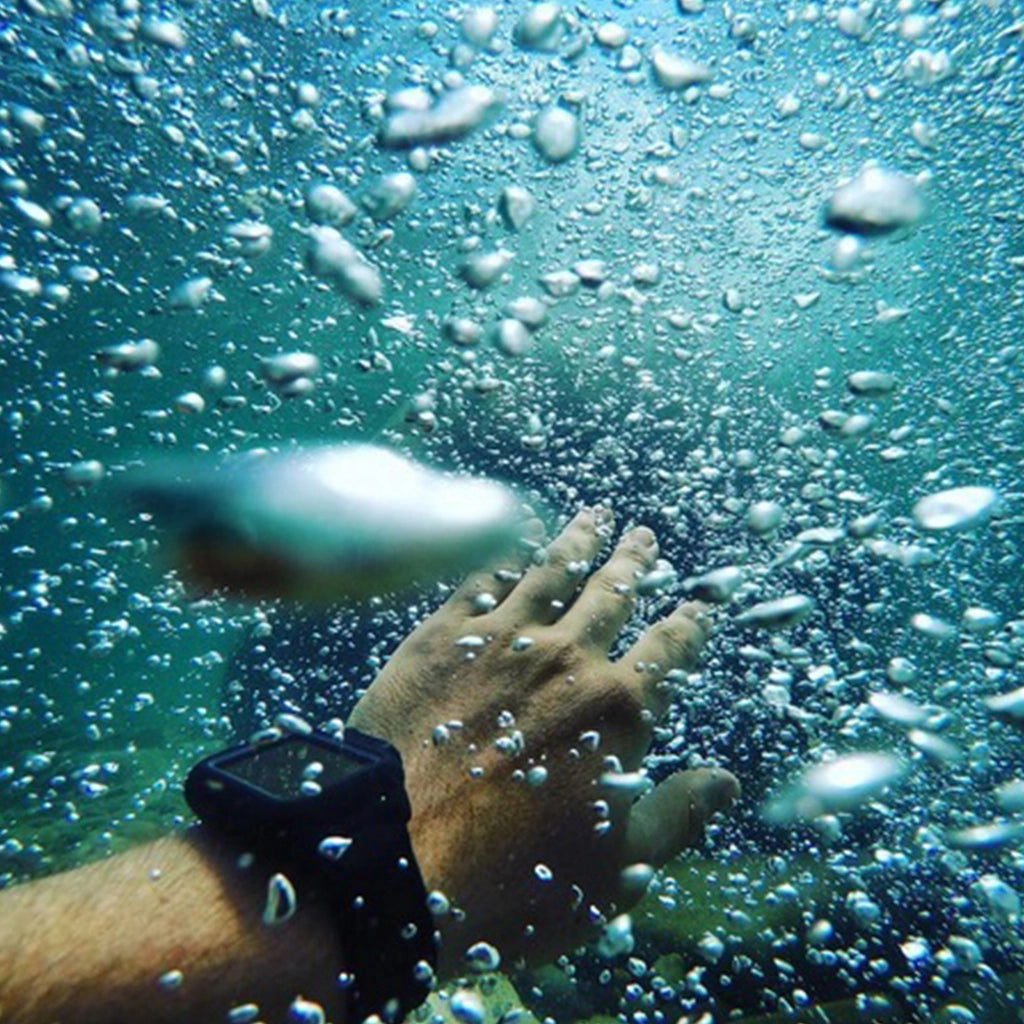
{"x": 607, "y": 600}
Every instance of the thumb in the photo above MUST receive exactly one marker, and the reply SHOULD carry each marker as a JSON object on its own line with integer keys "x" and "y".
{"x": 673, "y": 815}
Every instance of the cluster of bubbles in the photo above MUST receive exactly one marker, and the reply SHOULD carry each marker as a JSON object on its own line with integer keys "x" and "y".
{"x": 750, "y": 274}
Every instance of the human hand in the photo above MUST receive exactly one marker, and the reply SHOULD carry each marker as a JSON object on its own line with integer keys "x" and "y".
{"x": 514, "y": 727}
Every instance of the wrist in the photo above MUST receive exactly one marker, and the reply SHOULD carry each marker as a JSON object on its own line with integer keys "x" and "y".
{"x": 326, "y": 816}
{"x": 300, "y": 957}
{"x": 445, "y": 913}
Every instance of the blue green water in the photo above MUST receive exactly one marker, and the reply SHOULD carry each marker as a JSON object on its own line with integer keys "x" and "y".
{"x": 681, "y": 395}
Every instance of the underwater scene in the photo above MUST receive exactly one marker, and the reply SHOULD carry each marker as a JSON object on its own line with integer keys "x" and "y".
{"x": 748, "y": 274}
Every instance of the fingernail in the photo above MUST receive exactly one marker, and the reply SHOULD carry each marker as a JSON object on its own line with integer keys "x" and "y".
{"x": 698, "y": 612}
{"x": 722, "y": 789}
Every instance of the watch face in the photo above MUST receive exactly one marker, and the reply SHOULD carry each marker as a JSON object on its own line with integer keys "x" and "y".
{"x": 293, "y": 767}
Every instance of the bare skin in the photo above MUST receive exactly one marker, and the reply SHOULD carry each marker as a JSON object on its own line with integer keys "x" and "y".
{"x": 89, "y": 945}
{"x": 481, "y": 832}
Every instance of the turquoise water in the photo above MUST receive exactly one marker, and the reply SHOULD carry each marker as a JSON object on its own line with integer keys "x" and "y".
{"x": 682, "y": 381}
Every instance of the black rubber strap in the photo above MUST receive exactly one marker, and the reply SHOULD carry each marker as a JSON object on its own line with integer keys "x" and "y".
{"x": 387, "y": 929}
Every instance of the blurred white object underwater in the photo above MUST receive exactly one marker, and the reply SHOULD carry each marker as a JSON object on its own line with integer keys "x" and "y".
{"x": 324, "y": 523}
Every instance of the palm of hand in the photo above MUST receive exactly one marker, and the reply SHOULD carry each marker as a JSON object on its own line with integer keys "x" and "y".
{"x": 511, "y": 722}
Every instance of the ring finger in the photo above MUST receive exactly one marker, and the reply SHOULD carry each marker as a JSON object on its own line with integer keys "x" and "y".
{"x": 674, "y": 643}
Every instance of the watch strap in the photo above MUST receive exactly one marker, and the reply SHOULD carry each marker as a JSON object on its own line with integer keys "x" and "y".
{"x": 356, "y": 856}
{"x": 387, "y": 929}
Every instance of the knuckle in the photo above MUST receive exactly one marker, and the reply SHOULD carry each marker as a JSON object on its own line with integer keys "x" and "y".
{"x": 611, "y": 581}
{"x": 681, "y": 639}
{"x": 620, "y": 702}
{"x": 559, "y": 655}
{"x": 550, "y": 655}
{"x": 558, "y": 558}
{"x": 430, "y": 644}
{"x": 570, "y": 549}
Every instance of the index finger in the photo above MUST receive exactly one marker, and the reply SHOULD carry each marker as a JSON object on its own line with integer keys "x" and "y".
{"x": 483, "y": 590}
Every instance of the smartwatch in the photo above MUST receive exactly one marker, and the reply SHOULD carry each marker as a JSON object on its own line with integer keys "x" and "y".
{"x": 331, "y": 811}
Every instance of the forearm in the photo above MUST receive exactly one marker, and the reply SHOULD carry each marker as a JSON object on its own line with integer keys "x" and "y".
{"x": 92, "y": 945}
